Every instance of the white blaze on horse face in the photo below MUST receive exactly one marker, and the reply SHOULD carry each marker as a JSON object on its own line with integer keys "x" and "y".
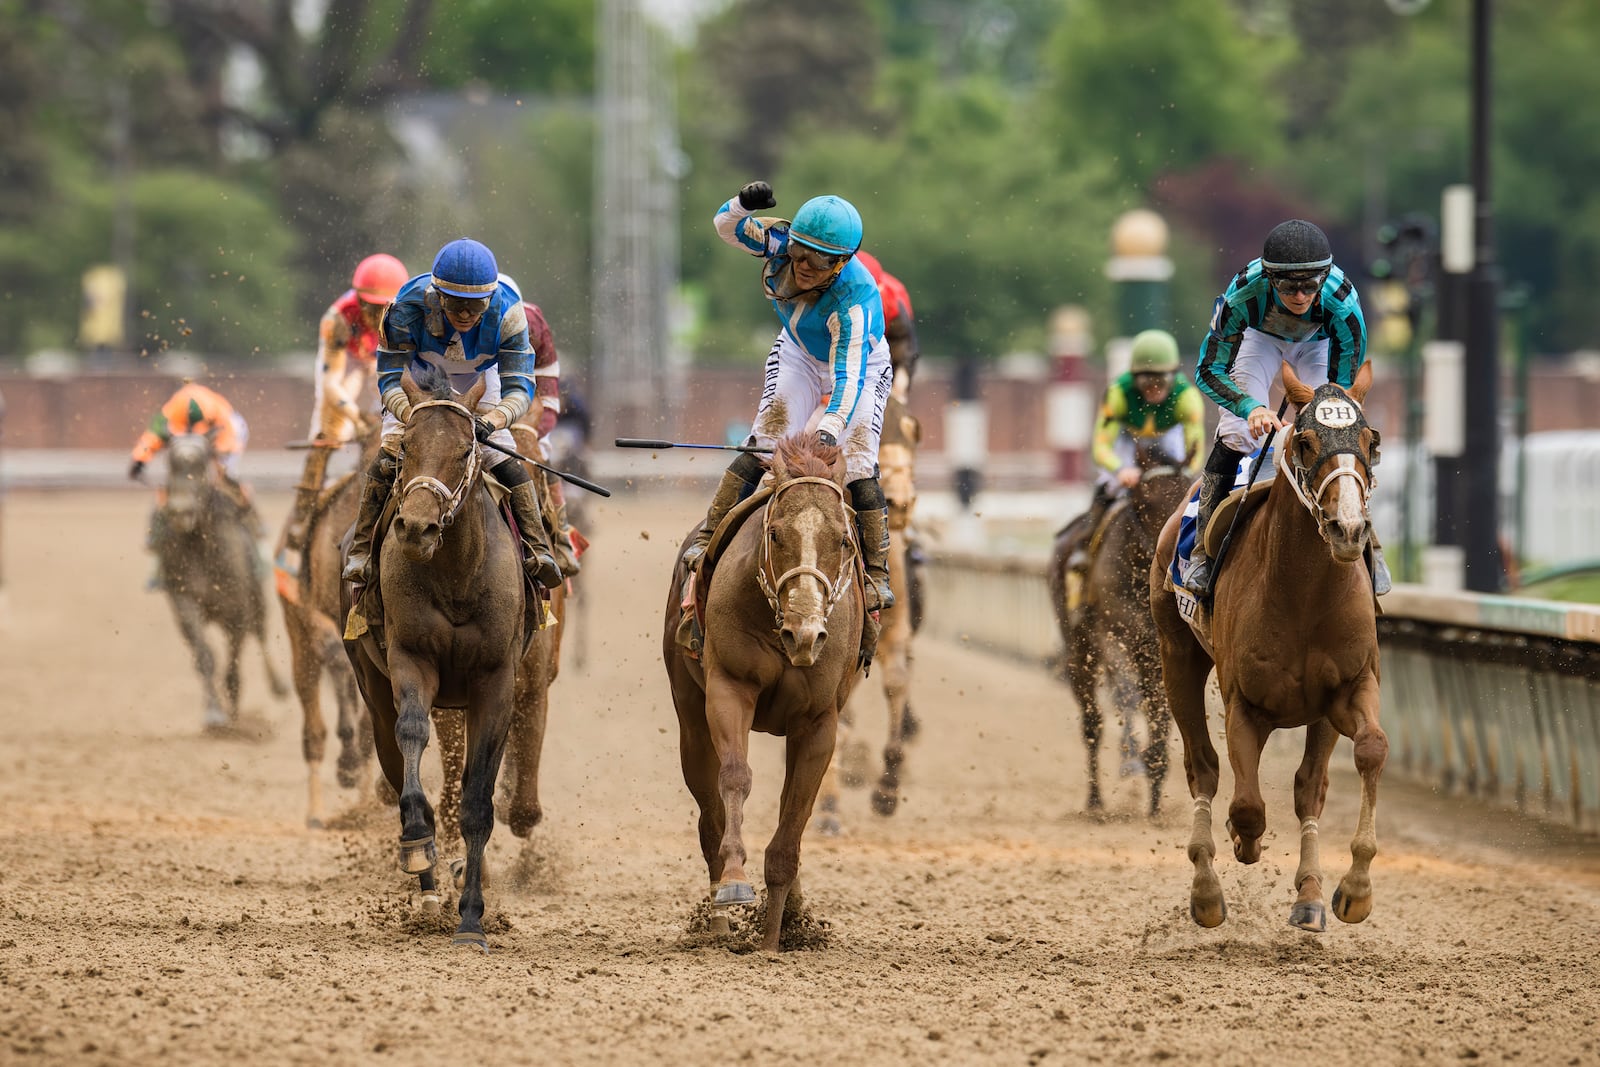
{"x": 806, "y": 596}
{"x": 1349, "y": 510}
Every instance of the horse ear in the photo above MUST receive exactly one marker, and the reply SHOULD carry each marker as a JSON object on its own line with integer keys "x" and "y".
{"x": 1298, "y": 392}
{"x": 475, "y": 394}
{"x": 410, "y": 386}
{"x": 1358, "y": 388}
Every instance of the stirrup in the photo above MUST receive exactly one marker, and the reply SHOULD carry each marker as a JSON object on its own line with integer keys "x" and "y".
{"x": 1201, "y": 577}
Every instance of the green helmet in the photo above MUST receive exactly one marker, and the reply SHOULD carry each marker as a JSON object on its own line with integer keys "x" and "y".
{"x": 1154, "y": 351}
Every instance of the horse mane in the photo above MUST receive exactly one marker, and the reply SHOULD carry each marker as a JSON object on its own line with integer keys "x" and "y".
{"x": 433, "y": 381}
{"x": 801, "y": 455}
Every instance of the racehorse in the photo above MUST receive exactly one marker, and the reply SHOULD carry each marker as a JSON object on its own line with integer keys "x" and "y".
{"x": 783, "y": 613}
{"x": 451, "y": 585}
{"x": 541, "y": 663}
{"x": 208, "y": 565}
{"x": 896, "y": 457}
{"x": 1293, "y": 634}
{"x": 1109, "y": 637}
{"x": 310, "y": 605}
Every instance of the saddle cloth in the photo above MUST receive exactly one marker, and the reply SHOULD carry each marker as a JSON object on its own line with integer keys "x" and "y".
{"x": 1188, "y": 532}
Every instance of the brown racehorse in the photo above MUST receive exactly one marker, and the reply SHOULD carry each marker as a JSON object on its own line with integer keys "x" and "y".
{"x": 311, "y": 620}
{"x": 208, "y": 564}
{"x": 896, "y": 459}
{"x": 782, "y": 638}
{"x": 540, "y": 664}
{"x": 1111, "y": 638}
{"x": 1294, "y": 638}
{"x": 452, "y": 624}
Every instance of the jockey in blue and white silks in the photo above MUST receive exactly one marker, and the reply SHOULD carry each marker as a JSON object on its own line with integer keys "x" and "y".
{"x": 831, "y": 345}
{"x": 462, "y": 319}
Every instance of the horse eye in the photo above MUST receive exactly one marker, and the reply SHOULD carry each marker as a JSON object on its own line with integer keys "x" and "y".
{"x": 773, "y": 535}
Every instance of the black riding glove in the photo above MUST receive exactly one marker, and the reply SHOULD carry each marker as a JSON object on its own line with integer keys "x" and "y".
{"x": 827, "y": 438}
{"x": 135, "y": 469}
{"x": 482, "y": 428}
{"x": 756, "y": 195}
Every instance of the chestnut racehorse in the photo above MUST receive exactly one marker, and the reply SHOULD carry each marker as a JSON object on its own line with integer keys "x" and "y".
{"x": 1293, "y": 634}
{"x": 782, "y": 608}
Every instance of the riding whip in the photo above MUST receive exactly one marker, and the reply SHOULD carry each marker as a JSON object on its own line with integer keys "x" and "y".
{"x": 581, "y": 483}
{"x": 645, "y": 442}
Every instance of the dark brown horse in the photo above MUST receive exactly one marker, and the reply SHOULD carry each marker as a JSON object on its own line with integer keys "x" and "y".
{"x": 452, "y": 621}
{"x": 310, "y": 603}
{"x": 210, "y": 573}
{"x": 783, "y": 616}
{"x": 1110, "y": 638}
{"x": 1294, "y": 638}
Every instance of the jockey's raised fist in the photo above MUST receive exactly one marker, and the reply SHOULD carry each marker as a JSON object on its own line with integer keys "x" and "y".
{"x": 757, "y": 195}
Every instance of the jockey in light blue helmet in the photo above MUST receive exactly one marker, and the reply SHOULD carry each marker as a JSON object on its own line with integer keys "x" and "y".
{"x": 828, "y": 225}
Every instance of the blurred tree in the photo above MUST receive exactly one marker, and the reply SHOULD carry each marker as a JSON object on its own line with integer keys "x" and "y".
{"x": 548, "y": 47}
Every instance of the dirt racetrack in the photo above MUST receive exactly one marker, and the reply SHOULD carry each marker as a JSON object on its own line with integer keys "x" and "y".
{"x": 161, "y": 900}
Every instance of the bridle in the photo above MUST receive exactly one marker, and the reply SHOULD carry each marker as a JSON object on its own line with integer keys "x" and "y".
{"x": 1352, "y": 462}
{"x": 450, "y": 500}
{"x": 832, "y": 589}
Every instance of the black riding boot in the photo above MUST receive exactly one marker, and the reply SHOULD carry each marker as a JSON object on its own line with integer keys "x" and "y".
{"x": 872, "y": 522}
{"x": 1222, "y": 467}
{"x": 538, "y": 562}
{"x": 375, "y": 490}
{"x": 738, "y": 482}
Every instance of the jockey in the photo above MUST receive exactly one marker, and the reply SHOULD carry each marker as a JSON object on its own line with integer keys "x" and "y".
{"x": 899, "y": 326}
{"x": 832, "y": 339}
{"x": 1152, "y": 400}
{"x": 542, "y": 415}
{"x": 1291, "y": 305}
{"x": 463, "y": 319}
{"x": 196, "y": 409}
{"x": 347, "y": 356}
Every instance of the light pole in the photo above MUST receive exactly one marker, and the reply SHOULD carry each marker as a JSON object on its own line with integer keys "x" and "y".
{"x": 1141, "y": 274}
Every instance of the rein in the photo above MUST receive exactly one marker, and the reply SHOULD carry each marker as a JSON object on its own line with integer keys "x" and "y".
{"x": 450, "y": 500}
{"x": 832, "y": 589}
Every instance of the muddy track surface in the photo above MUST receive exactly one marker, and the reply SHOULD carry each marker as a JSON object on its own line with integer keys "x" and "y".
{"x": 162, "y": 902}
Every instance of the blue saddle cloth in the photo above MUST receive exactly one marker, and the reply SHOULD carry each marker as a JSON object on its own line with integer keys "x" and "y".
{"x": 1189, "y": 524}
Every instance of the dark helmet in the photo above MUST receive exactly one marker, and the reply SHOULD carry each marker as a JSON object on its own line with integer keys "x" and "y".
{"x": 1296, "y": 245}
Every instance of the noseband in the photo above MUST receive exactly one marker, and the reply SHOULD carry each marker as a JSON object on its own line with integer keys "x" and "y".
{"x": 1340, "y": 439}
{"x": 450, "y": 500}
{"x": 832, "y": 589}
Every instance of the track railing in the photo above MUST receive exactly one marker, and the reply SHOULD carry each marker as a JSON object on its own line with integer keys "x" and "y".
{"x": 1495, "y": 697}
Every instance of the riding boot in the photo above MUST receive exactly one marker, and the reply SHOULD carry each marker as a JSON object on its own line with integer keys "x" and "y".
{"x": 1376, "y": 565}
{"x": 1222, "y": 468}
{"x": 561, "y": 542}
{"x": 1098, "y": 506}
{"x": 375, "y": 489}
{"x": 538, "y": 562}
{"x": 872, "y": 523}
{"x": 738, "y": 482}
{"x": 305, "y": 497}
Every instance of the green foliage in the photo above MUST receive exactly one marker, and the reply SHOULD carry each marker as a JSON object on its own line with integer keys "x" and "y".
{"x": 548, "y": 47}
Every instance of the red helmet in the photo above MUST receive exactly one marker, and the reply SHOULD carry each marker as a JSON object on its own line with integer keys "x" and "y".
{"x": 378, "y": 278}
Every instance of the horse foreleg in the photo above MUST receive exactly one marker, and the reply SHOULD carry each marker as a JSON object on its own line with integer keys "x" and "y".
{"x": 828, "y": 824}
{"x": 192, "y": 624}
{"x": 1247, "y": 815}
{"x": 1310, "y": 790}
{"x": 231, "y": 677}
{"x": 525, "y": 746}
{"x": 1159, "y": 719}
{"x": 1080, "y": 669}
{"x": 807, "y": 753}
{"x": 1206, "y": 905}
{"x": 896, "y": 685}
{"x": 451, "y": 725}
{"x": 1352, "y": 900}
{"x": 730, "y": 710}
{"x": 306, "y": 671}
{"x": 415, "y": 684}
{"x": 488, "y": 722}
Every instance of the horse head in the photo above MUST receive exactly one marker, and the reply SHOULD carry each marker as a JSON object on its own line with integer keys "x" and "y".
{"x": 1162, "y": 483}
{"x": 439, "y": 455}
{"x": 190, "y": 470}
{"x": 1329, "y": 456}
{"x": 807, "y": 544}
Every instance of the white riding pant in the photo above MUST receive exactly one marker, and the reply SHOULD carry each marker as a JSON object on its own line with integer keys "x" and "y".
{"x": 230, "y": 460}
{"x": 794, "y": 387}
{"x": 1255, "y": 370}
{"x": 1172, "y": 444}
{"x": 460, "y": 383}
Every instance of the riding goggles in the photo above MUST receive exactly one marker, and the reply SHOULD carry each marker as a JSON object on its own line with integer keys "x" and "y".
{"x": 811, "y": 257}
{"x": 463, "y": 305}
{"x": 1149, "y": 379}
{"x": 1303, "y": 283}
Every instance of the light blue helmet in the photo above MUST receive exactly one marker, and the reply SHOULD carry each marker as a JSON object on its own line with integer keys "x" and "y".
{"x": 465, "y": 268}
{"x": 830, "y": 224}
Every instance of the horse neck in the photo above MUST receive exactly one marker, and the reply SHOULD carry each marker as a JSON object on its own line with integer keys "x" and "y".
{"x": 1291, "y": 545}
{"x": 465, "y": 543}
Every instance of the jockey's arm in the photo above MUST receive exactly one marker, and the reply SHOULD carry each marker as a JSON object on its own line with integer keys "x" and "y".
{"x": 334, "y": 338}
{"x": 741, "y": 229}
{"x": 850, "y": 344}
{"x": 1192, "y": 416}
{"x": 1113, "y": 416}
{"x": 515, "y": 364}
{"x": 1228, "y": 324}
{"x": 398, "y": 340}
{"x": 1347, "y": 339}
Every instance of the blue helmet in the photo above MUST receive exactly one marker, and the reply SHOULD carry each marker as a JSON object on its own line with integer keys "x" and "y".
{"x": 830, "y": 224}
{"x": 465, "y": 268}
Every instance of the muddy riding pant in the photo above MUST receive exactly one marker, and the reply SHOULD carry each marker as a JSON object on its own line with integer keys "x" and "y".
{"x": 1255, "y": 371}
{"x": 795, "y": 384}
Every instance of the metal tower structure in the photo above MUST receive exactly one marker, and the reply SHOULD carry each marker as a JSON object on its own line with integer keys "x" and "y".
{"x": 636, "y": 227}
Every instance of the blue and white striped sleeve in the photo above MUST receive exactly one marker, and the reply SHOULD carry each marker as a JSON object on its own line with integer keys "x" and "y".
{"x": 398, "y": 335}
{"x": 739, "y": 228}
{"x": 515, "y": 358}
{"x": 849, "y": 331}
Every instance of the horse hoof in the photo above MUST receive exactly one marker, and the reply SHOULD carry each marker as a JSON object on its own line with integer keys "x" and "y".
{"x": 522, "y": 823}
{"x": 215, "y": 719}
{"x": 419, "y": 856}
{"x": 829, "y": 826}
{"x": 470, "y": 940}
{"x": 1349, "y": 909}
{"x": 718, "y": 924}
{"x": 1208, "y": 917}
{"x": 429, "y": 904}
{"x": 313, "y": 823}
{"x": 1095, "y": 803}
{"x": 884, "y": 803}
{"x": 728, "y": 893}
{"x": 1132, "y": 768}
{"x": 1310, "y": 916}
{"x": 910, "y": 725}
{"x": 348, "y": 778}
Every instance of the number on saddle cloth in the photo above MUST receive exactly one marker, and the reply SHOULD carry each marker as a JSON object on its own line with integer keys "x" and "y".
{"x": 1188, "y": 525}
